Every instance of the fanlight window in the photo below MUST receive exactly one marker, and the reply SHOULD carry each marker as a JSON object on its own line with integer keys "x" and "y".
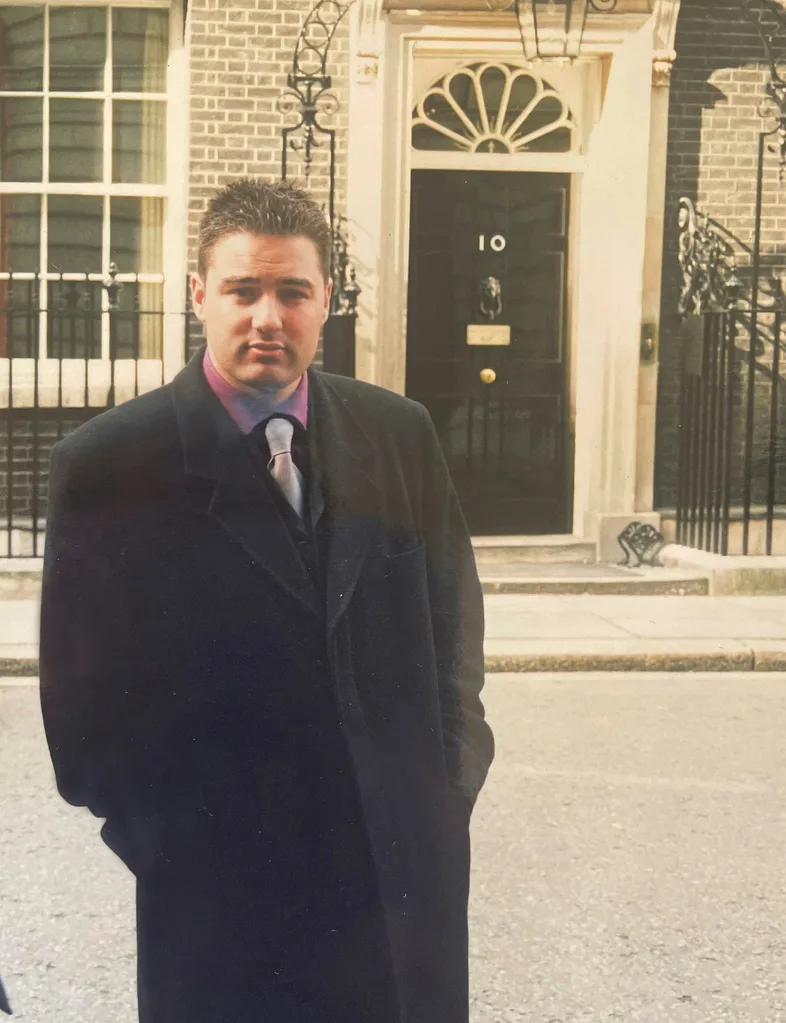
{"x": 493, "y": 108}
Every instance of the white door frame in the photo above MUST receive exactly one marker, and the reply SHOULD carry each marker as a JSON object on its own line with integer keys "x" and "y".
{"x": 606, "y": 233}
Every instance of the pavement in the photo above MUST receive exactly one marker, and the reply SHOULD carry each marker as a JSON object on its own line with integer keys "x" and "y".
{"x": 566, "y": 632}
{"x": 627, "y": 860}
{"x": 635, "y": 633}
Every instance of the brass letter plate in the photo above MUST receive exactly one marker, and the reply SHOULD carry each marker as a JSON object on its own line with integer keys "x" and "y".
{"x": 488, "y": 334}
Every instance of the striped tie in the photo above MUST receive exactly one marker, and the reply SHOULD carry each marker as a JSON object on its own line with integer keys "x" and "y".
{"x": 279, "y": 433}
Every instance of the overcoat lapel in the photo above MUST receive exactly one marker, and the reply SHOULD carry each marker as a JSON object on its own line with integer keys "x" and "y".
{"x": 353, "y": 498}
{"x": 245, "y": 507}
{"x": 215, "y": 457}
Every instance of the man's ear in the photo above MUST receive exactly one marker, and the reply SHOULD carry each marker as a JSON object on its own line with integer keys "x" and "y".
{"x": 328, "y": 293}
{"x": 197, "y": 295}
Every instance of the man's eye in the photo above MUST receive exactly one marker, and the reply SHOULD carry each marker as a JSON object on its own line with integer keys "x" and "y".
{"x": 245, "y": 293}
{"x": 293, "y": 296}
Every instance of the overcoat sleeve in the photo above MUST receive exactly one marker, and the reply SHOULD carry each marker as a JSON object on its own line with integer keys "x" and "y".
{"x": 93, "y": 719}
{"x": 457, "y": 617}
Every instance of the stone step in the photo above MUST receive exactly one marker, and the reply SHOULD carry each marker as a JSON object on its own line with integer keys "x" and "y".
{"x": 534, "y": 550}
{"x": 20, "y": 578}
{"x": 591, "y": 579}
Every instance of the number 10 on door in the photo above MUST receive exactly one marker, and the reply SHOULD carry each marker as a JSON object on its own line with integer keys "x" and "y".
{"x": 497, "y": 243}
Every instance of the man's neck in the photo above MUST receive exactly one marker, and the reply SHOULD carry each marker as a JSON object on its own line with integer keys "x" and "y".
{"x": 248, "y": 406}
{"x": 268, "y": 395}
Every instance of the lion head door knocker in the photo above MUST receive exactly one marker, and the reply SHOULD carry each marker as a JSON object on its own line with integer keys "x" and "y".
{"x": 491, "y": 298}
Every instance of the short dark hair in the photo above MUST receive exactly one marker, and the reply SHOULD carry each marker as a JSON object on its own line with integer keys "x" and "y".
{"x": 263, "y": 207}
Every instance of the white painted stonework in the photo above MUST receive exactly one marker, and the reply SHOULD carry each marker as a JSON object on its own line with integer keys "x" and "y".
{"x": 72, "y": 383}
{"x": 615, "y": 230}
{"x": 609, "y": 316}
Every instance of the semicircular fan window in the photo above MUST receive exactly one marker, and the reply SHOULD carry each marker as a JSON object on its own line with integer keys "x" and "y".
{"x": 493, "y": 108}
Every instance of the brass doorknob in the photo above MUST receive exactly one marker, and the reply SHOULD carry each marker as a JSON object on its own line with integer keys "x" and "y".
{"x": 488, "y": 376}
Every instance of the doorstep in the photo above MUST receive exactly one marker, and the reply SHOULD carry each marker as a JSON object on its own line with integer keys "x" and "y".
{"x": 559, "y": 548}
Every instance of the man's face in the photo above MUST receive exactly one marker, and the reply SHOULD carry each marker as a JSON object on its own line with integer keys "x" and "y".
{"x": 263, "y": 302}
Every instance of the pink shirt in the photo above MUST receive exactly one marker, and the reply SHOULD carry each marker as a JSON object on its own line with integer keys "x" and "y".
{"x": 247, "y": 410}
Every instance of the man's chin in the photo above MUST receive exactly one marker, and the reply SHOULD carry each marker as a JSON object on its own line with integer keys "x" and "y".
{"x": 268, "y": 378}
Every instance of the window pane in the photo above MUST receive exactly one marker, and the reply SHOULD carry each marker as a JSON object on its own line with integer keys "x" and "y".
{"x": 137, "y": 323}
{"x": 22, "y": 49}
{"x": 21, "y": 139}
{"x": 140, "y": 46}
{"x": 139, "y": 141}
{"x": 75, "y": 140}
{"x": 75, "y": 233}
{"x": 20, "y": 222}
{"x": 137, "y": 231}
{"x": 77, "y": 48}
{"x": 20, "y": 229}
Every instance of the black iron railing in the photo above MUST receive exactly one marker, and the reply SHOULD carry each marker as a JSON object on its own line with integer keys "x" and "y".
{"x": 732, "y": 461}
{"x": 83, "y": 316}
{"x": 71, "y": 346}
{"x": 732, "y": 469}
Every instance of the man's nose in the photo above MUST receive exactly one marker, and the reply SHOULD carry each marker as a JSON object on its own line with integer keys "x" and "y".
{"x": 267, "y": 316}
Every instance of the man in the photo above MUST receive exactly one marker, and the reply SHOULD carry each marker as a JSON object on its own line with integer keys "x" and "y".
{"x": 5, "y": 1005}
{"x": 261, "y": 658}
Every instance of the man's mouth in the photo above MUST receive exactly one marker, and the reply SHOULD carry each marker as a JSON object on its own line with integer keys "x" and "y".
{"x": 266, "y": 347}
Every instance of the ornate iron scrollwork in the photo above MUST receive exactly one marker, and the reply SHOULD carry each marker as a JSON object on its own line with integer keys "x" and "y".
{"x": 308, "y": 97}
{"x": 709, "y": 269}
{"x": 346, "y": 290}
{"x": 769, "y": 19}
{"x": 642, "y": 542}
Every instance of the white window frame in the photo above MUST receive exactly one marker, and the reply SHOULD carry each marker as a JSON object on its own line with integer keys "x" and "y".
{"x": 173, "y": 191}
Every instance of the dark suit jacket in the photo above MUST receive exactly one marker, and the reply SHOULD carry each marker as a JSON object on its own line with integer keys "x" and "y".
{"x": 289, "y": 771}
{"x": 5, "y": 1005}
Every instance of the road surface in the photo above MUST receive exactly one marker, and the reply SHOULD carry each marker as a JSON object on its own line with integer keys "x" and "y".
{"x": 629, "y": 860}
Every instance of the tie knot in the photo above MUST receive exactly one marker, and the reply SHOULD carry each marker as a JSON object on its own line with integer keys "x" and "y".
{"x": 279, "y": 433}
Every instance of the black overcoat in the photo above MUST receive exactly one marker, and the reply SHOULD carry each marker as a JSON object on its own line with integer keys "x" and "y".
{"x": 288, "y": 770}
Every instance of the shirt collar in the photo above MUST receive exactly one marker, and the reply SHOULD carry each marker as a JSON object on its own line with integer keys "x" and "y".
{"x": 248, "y": 410}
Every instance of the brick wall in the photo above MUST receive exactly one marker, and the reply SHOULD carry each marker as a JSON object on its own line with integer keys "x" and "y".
{"x": 717, "y": 85}
{"x": 241, "y": 53}
{"x": 25, "y": 447}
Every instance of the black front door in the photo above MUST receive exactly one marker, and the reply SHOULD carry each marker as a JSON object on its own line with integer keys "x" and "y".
{"x": 486, "y": 335}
